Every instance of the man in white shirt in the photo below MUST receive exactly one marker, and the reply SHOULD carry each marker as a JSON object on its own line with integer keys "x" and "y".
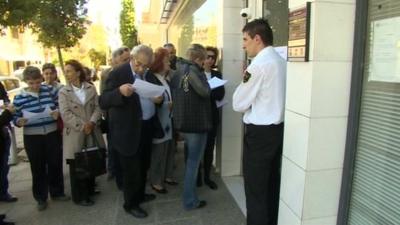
{"x": 261, "y": 97}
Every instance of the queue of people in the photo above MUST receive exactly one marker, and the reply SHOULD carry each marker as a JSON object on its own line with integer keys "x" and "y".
{"x": 142, "y": 131}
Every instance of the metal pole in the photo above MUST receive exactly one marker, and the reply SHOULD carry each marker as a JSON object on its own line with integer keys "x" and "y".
{"x": 13, "y": 160}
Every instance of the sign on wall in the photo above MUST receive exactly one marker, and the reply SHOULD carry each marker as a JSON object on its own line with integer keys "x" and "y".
{"x": 299, "y": 34}
{"x": 385, "y": 50}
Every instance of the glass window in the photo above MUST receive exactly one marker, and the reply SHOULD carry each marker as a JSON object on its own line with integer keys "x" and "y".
{"x": 375, "y": 194}
{"x": 276, "y": 12}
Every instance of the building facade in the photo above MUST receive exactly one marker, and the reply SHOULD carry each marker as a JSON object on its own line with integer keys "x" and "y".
{"x": 341, "y": 157}
{"x": 18, "y": 49}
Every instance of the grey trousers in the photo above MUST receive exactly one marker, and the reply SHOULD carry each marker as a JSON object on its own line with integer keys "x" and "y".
{"x": 162, "y": 162}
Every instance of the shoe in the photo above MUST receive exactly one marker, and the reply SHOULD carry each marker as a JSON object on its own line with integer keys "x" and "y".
{"x": 202, "y": 204}
{"x": 2, "y": 217}
{"x": 8, "y": 198}
{"x": 6, "y": 223}
{"x": 87, "y": 202}
{"x": 61, "y": 198}
{"x": 96, "y": 192}
{"x": 137, "y": 212}
{"x": 160, "y": 191}
{"x": 149, "y": 197}
{"x": 42, "y": 205}
{"x": 171, "y": 182}
{"x": 211, "y": 184}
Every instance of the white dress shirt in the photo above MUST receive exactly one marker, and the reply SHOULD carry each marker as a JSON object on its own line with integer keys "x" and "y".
{"x": 262, "y": 97}
{"x": 80, "y": 93}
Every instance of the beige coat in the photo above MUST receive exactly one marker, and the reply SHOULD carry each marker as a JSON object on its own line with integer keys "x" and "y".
{"x": 75, "y": 115}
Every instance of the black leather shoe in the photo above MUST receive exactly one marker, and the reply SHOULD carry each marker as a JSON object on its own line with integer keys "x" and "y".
{"x": 2, "y": 217}
{"x": 6, "y": 223}
{"x": 42, "y": 205}
{"x": 211, "y": 184}
{"x": 87, "y": 202}
{"x": 149, "y": 197}
{"x": 159, "y": 190}
{"x": 137, "y": 212}
{"x": 171, "y": 182}
{"x": 202, "y": 204}
{"x": 8, "y": 198}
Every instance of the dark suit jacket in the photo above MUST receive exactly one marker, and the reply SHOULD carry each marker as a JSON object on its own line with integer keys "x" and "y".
{"x": 124, "y": 113}
{"x": 216, "y": 95}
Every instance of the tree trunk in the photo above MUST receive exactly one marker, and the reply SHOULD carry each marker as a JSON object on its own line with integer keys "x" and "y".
{"x": 60, "y": 59}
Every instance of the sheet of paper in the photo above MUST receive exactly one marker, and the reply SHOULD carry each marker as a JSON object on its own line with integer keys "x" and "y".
{"x": 221, "y": 103}
{"x": 148, "y": 90}
{"x": 31, "y": 116}
{"x": 216, "y": 82}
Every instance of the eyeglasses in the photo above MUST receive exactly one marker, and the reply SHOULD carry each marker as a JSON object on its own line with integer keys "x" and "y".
{"x": 140, "y": 64}
{"x": 211, "y": 57}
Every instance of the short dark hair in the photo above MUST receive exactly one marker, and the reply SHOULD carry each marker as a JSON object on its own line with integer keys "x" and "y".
{"x": 260, "y": 27}
{"x": 31, "y": 73}
{"x": 169, "y": 45}
{"x": 78, "y": 67}
{"x": 50, "y": 66}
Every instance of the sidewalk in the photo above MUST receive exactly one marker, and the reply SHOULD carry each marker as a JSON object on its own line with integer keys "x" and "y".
{"x": 167, "y": 209}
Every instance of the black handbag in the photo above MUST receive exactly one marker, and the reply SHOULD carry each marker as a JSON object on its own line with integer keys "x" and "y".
{"x": 91, "y": 161}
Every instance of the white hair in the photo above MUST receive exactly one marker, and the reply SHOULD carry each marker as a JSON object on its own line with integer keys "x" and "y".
{"x": 142, "y": 49}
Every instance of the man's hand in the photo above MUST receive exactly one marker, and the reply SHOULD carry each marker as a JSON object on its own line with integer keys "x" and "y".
{"x": 55, "y": 114}
{"x": 21, "y": 122}
{"x": 126, "y": 89}
{"x": 158, "y": 99}
{"x": 88, "y": 127}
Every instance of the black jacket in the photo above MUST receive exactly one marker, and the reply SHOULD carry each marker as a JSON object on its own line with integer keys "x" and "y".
{"x": 5, "y": 119}
{"x": 124, "y": 113}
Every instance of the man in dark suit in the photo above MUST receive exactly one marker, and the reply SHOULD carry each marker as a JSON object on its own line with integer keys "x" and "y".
{"x": 217, "y": 94}
{"x": 125, "y": 122}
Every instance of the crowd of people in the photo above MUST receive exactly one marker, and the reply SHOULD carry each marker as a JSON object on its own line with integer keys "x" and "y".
{"x": 142, "y": 131}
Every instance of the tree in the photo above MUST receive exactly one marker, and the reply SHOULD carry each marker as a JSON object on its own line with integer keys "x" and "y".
{"x": 97, "y": 57}
{"x": 127, "y": 24}
{"x": 60, "y": 24}
{"x": 17, "y": 12}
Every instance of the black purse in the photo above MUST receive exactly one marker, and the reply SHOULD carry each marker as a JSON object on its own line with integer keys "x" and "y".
{"x": 91, "y": 161}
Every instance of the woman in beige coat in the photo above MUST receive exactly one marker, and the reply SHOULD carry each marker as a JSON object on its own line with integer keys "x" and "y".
{"x": 80, "y": 111}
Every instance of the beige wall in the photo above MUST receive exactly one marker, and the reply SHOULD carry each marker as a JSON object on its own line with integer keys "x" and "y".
{"x": 23, "y": 48}
{"x": 317, "y": 101}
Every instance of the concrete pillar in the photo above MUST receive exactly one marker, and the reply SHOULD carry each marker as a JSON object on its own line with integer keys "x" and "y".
{"x": 229, "y": 35}
{"x": 316, "y": 113}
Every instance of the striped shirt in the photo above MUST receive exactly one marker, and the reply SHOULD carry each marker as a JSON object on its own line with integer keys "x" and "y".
{"x": 30, "y": 102}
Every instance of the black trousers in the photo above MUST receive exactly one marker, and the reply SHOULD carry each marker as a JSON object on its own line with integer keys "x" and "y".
{"x": 134, "y": 168}
{"x": 131, "y": 179}
{"x": 82, "y": 187}
{"x": 45, "y": 157}
{"x": 262, "y": 156}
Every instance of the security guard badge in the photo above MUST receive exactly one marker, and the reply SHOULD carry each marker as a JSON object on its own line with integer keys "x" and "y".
{"x": 246, "y": 77}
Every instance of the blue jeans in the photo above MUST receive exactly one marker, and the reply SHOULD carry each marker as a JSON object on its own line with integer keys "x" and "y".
{"x": 4, "y": 168}
{"x": 196, "y": 143}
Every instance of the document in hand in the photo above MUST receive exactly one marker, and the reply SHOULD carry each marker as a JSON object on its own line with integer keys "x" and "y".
{"x": 148, "y": 90}
{"x": 216, "y": 82}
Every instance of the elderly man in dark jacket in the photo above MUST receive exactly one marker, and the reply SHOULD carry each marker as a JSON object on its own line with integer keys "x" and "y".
{"x": 125, "y": 124}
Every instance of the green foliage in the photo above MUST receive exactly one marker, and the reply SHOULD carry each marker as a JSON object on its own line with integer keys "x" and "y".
{"x": 60, "y": 23}
{"x": 127, "y": 24}
{"x": 97, "y": 57}
{"x": 17, "y": 12}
